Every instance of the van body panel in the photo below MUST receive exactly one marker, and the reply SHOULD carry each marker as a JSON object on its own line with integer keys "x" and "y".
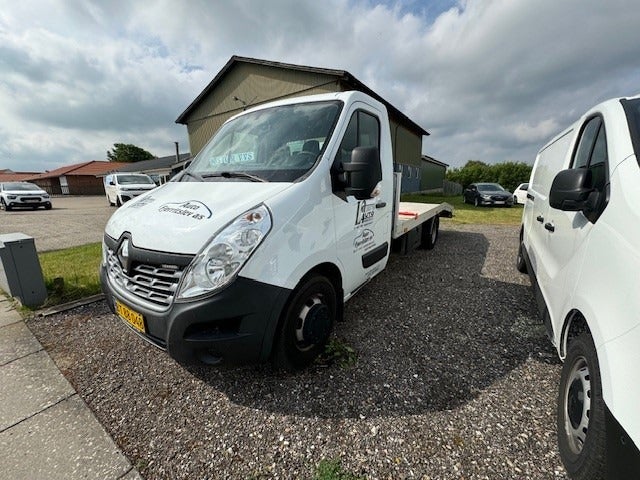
{"x": 589, "y": 265}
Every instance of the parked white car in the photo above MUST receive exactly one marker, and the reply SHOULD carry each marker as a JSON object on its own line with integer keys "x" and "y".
{"x": 579, "y": 243}
{"x": 520, "y": 194}
{"x": 23, "y": 195}
{"x": 122, "y": 187}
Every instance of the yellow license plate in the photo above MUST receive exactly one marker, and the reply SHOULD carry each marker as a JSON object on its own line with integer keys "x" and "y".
{"x": 132, "y": 317}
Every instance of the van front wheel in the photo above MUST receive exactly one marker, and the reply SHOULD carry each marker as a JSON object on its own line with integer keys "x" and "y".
{"x": 307, "y": 323}
{"x": 581, "y": 416}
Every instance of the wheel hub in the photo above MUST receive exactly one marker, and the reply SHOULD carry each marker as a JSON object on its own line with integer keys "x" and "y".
{"x": 577, "y": 405}
{"x": 314, "y": 324}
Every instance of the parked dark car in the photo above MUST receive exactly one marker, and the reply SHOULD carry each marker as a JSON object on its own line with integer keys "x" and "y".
{"x": 487, "y": 194}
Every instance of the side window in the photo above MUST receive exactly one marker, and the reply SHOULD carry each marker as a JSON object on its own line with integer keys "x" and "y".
{"x": 592, "y": 152}
{"x": 363, "y": 131}
{"x": 592, "y": 155}
{"x": 583, "y": 152}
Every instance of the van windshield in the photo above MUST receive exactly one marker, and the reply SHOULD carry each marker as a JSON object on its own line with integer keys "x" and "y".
{"x": 134, "y": 180}
{"x": 277, "y": 144}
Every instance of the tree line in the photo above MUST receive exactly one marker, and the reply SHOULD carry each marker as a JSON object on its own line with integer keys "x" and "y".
{"x": 508, "y": 174}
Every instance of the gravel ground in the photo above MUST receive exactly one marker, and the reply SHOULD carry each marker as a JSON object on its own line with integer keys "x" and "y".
{"x": 454, "y": 379}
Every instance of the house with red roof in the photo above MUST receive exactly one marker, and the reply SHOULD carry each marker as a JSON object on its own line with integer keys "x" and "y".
{"x": 7, "y": 175}
{"x": 78, "y": 179}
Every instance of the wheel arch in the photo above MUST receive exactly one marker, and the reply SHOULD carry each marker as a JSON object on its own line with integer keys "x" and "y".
{"x": 574, "y": 324}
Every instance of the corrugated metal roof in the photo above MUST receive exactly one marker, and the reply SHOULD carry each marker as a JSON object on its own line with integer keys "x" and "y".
{"x": 91, "y": 168}
{"x": 162, "y": 162}
{"x": 342, "y": 75}
{"x": 429, "y": 159}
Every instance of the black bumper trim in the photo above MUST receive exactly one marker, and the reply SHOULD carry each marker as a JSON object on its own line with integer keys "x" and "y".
{"x": 236, "y": 325}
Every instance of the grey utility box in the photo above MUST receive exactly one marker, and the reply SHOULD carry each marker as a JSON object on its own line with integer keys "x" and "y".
{"x": 20, "y": 272}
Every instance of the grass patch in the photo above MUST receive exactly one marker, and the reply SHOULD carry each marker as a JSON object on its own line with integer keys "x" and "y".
{"x": 332, "y": 470}
{"x": 72, "y": 273}
{"x": 339, "y": 353}
{"x": 466, "y": 213}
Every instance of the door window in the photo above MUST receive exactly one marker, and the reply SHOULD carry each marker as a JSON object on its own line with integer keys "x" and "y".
{"x": 591, "y": 154}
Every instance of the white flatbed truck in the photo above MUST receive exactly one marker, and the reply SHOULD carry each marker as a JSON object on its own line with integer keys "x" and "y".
{"x": 251, "y": 252}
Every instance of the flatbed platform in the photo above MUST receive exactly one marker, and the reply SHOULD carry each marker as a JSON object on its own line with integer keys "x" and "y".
{"x": 412, "y": 214}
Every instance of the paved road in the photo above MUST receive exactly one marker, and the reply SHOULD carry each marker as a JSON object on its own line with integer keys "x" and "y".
{"x": 72, "y": 221}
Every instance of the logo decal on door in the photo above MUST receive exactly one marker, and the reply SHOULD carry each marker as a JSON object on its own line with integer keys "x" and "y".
{"x": 365, "y": 213}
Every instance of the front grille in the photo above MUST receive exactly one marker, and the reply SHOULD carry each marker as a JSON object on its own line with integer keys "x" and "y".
{"x": 156, "y": 285}
{"x": 499, "y": 197}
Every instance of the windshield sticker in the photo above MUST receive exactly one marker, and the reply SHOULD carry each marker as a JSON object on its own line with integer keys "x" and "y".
{"x": 364, "y": 240}
{"x": 233, "y": 158}
{"x": 191, "y": 208}
{"x": 142, "y": 201}
{"x": 364, "y": 212}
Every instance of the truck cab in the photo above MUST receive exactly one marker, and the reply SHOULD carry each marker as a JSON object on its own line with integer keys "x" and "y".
{"x": 251, "y": 252}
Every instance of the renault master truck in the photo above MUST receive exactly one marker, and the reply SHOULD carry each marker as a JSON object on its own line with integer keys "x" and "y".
{"x": 580, "y": 243}
{"x": 251, "y": 252}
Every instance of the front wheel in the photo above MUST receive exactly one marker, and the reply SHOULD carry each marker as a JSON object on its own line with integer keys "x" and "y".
{"x": 430, "y": 233}
{"x": 307, "y": 323}
{"x": 476, "y": 202}
{"x": 581, "y": 416}
{"x": 521, "y": 264}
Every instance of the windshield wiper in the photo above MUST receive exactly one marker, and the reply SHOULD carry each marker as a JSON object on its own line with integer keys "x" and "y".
{"x": 187, "y": 173}
{"x": 253, "y": 178}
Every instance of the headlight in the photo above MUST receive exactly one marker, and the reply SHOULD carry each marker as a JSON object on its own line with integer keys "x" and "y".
{"x": 223, "y": 257}
{"x": 45, "y": 195}
{"x": 486, "y": 197}
{"x": 12, "y": 197}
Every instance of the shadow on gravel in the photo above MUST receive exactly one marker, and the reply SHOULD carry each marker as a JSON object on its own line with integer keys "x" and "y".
{"x": 430, "y": 332}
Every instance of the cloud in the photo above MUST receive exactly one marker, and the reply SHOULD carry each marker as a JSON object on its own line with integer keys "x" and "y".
{"x": 490, "y": 79}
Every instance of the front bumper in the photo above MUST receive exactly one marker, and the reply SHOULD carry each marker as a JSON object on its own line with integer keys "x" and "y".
{"x": 28, "y": 204}
{"x": 493, "y": 202}
{"x": 236, "y": 325}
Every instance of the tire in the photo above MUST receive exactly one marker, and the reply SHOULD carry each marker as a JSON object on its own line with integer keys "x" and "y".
{"x": 464, "y": 199}
{"x": 581, "y": 414}
{"x": 515, "y": 200}
{"x": 306, "y": 324}
{"x": 2, "y": 204}
{"x": 47, "y": 206}
{"x": 476, "y": 202}
{"x": 521, "y": 265}
{"x": 118, "y": 202}
{"x": 430, "y": 233}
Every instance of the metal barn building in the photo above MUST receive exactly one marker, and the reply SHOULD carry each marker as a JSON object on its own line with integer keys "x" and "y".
{"x": 245, "y": 82}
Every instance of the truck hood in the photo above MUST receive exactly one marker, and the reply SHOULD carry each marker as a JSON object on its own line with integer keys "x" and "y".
{"x": 181, "y": 217}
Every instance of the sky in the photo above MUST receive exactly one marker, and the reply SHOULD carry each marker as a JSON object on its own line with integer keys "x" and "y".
{"x": 491, "y": 80}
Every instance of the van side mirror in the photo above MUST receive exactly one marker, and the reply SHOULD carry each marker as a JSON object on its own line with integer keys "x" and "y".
{"x": 572, "y": 190}
{"x": 363, "y": 172}
{"x": 112, "y": 182}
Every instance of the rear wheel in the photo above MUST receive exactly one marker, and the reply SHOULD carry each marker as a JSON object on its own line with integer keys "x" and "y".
{"x": 581, "y": 424}
{"x": 430, "y": 233}
{"x": 521, "y": 265}
{"x": 307, "y": 323}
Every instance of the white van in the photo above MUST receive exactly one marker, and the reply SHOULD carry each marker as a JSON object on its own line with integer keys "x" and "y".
{"x": 580, "y": 243}
{"x": 251, "y": 252}
{"x": 122, "y": 187}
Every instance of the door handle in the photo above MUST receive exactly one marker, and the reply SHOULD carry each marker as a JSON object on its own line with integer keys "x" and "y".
{"x": 381, "y": 204}
{"x": 540, "y": 218}
{"x": 530, "y": 197}
{"x": 550, "y": 227}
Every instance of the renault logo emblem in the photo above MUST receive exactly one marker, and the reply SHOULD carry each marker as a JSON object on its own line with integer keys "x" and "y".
{"x": 123, "y": 256}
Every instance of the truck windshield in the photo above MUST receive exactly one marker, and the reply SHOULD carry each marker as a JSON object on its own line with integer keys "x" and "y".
{"x": 134, "y": 179}
{"x": 277, "y": 144}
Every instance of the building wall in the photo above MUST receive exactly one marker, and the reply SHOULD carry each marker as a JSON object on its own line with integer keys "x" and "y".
{"x": 85, "y": 185}
{"x": 254, "y": 84}
{"x": 432, "y": 176}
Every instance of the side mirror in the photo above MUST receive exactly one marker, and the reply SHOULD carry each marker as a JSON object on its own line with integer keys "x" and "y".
{"x": 571, "y": 190}
{"x": 363, "y": 172}
{"x": 112, "y": 182}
